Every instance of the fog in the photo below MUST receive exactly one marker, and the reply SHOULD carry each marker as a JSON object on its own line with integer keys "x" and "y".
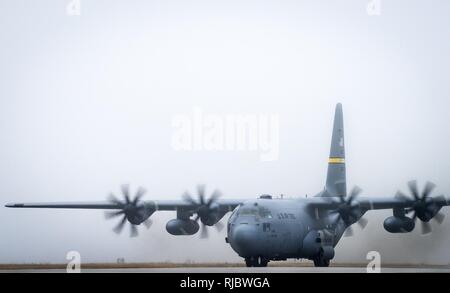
{"x": 87, "y": 103}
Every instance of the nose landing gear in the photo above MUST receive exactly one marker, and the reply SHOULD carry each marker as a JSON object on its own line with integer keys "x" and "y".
{"x": 256, "y": 261}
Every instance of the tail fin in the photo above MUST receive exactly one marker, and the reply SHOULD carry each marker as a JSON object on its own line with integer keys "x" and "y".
{"x": 336, "y": 180}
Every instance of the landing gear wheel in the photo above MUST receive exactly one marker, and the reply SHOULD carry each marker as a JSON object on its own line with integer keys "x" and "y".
{"x": 262, "y": 261}
{"x": 248, "y": 262}
{"x": 256, "y": 261}
{"x": 320, "y": 261}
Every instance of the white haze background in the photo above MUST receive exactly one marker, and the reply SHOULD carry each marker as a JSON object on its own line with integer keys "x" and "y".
{"x": 86, "y": 104}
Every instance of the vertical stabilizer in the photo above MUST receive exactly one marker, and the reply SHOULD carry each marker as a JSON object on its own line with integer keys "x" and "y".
{"x": 336, "y": 181}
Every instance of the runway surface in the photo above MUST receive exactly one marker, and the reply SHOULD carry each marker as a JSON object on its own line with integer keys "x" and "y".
{"x": 241, "y": 270}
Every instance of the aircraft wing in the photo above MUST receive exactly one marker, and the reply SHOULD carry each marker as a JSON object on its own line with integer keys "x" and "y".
{"x": 139, "y": 212}
{"x": 374, "y": 203}
{"x": 406, "y": 209}
{"x": 136, "y": 211}
{"x": 377, "y": 203}
{"x": 156, "y": 205}
{"x": 134, "y": 205}
{"x": 65, "y": 205}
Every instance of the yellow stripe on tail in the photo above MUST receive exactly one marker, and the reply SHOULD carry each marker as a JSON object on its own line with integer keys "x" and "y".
{"x": 336, "y": 161}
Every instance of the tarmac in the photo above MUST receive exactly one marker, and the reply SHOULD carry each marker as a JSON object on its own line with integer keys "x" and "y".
{"x": 230, "y": 270}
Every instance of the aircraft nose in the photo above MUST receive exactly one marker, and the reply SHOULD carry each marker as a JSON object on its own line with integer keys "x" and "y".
{"x": 244, "y": 240}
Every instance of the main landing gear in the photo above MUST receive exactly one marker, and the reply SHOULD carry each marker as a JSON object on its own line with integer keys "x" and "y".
{"x": 256, "y": 261}
{"x": 321, "y": 261}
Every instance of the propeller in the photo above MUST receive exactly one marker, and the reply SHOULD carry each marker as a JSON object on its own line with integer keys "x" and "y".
{"x": 130, "y": 209}
{"x": 349, "y": 212}
{"x": 423, "y": 206}
{"x": 206, "y": 209}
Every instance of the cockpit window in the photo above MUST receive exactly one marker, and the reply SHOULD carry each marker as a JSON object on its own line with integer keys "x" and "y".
{"x": 259, "y": 211}
{"x": 247, "y": 211}
{"x": 264, "y": 213}
{"x": 233, "y": 214}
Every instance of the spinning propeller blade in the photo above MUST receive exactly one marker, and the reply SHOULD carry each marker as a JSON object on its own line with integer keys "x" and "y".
{"x": 204, "y": 208}
{"x": 128, "y": 209}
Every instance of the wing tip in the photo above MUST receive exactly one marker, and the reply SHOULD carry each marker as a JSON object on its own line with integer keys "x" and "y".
{"x": 14, "y": 205}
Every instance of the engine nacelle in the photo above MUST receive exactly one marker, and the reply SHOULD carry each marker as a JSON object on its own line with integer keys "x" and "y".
{"x": 182, "y": 227}
{"x": 398, "y": 224}
{"x": 139, "y": 214}
{"x": 213, "y": 215}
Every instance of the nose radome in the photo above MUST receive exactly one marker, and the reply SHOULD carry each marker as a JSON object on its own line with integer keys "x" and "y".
{"x": 244, "y": 240}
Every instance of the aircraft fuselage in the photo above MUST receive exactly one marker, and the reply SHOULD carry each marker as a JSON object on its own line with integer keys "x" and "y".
{"x": 277, "y": 229}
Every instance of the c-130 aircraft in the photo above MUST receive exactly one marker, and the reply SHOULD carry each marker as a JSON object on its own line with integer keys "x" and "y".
{"x": 266, "y": 228}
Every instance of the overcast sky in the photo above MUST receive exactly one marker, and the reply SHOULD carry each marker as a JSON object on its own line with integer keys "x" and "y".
{"x": 87, "y": 103}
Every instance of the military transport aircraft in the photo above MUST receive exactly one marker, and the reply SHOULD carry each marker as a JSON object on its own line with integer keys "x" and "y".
{"x": 266, "y": 228}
